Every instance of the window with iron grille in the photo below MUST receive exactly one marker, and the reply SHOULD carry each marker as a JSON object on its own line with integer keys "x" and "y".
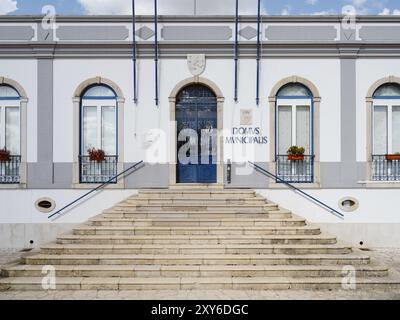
{"x": 294, "y": 127}
{"x": 386, "y": 133}
{"x": 10, "y": 135}
{"x": 98, "y": 132}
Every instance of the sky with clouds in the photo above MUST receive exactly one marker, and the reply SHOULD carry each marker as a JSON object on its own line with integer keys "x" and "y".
{"x": 201, "y": 7}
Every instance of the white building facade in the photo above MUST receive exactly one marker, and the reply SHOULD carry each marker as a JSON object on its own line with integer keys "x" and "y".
{"x": 333, "y": 90}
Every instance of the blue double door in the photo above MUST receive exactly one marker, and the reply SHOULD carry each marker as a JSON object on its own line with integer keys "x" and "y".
{"x": 196, "y": 116}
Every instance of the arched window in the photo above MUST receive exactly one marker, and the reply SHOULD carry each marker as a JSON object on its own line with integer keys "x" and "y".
{"x": 10, "y": 119}
{"x": 294, "y": 128}
{"x": 386, "y": 133}
{"x": 386, "y": 119}
{"x": 10, "y": 134}
{"x": 99, "y": 114}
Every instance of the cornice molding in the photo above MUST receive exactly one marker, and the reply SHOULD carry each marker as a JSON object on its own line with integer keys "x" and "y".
{"x": 199, "y": 19}
{"x": 180, "y": 50}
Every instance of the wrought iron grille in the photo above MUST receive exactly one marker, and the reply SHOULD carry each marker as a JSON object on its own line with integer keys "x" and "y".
{"x": 384, "y": 169}
{"x": 10, "y": 170}
{"x": 196, "y": 94}
{"x": 98, "y": 171}
{"x": 295, "y": 171}
{"x": 196, "y": 109}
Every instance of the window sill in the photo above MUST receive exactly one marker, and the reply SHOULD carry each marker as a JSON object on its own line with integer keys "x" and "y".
{"x": 13, "y": 186}
{"x": 90, "y": 186}
{"x": 380, "y": 184}
{"x": 315, "y": 185}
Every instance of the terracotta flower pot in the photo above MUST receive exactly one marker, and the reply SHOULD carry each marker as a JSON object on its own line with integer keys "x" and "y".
{"x": 97, "y": 158}
{"x": 293, "y": 157}
{"x": 391, "y": 157}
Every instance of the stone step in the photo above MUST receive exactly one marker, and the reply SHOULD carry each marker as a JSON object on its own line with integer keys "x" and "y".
{"x": 220, "y": 209}
{"x": 196, "y": 193}
{"x": 195, "y": 222}
{"x": 200, "y": 214}
{"x": 230, "y": 208}
{"x": 208, "y": 196}
{"x": 201, "y": 239}
{"x": 196, "y": 201}
{"x": 197, "y": 238}
{"x": 199, "y": 259}
{"x": 126, "y": 271}
{"x": 94, "y": 230}
{"x": 194, "y": 249}
{"x": 240, "y": 283}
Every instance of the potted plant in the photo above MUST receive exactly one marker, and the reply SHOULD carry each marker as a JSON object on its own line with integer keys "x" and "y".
{"x": 97, "y": 155}
{"x": 391, "y": 157}
{"x": 296, "y": 153}
{"x": 5, "y": 155}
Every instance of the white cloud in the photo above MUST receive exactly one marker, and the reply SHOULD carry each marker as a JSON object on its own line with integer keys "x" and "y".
{"x": 325, "y": 13}
{"x": 361, "y": 6}
{"x": 359, "y": 3}
{"x": 285, "y": 12}
{"x": 387, "y": 12}
{"x": 8, "y": 6}
{"x": 106, "y": 6}
{"x": 312, "y": 2}
{"x": 178, "y": 7}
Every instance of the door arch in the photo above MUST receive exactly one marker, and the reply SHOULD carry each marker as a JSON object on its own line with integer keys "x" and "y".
{"x": 199, "y": 103}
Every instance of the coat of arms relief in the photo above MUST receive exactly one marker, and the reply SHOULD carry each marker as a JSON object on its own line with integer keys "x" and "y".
{"x": 196, "y": 64}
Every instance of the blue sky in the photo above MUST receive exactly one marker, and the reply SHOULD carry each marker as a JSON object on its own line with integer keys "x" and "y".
{"x": 273, "y": 7}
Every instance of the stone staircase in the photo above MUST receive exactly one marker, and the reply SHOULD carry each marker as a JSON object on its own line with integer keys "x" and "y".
{"x": 196, "y": 239}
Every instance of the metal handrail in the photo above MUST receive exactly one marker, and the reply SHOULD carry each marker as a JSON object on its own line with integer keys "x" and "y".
{"x": 95, "y": 189}
{"x": 310, "y": 197}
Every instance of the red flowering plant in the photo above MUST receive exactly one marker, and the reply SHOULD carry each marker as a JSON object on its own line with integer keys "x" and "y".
{"x": 5, "y": 155}
{"x": 97, "y": 155}
{"x": 296, "y": 153}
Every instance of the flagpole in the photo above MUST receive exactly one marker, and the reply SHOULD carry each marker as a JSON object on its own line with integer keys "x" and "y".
{"x": 236, "y": 49}
{"x": 156, "y": 51}
{"x": 258, "y": 52}
{"x": 134, "y": 53}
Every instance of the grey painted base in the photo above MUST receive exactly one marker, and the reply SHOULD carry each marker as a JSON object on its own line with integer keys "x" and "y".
{"x": 343, "y": 175}
{"x": 334, "y": 175}
{"x": 148, "y": 176}
{"x": 49, "y": 175}
{"x": 60, "y": 176}
{"x": 242, "y": 178}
